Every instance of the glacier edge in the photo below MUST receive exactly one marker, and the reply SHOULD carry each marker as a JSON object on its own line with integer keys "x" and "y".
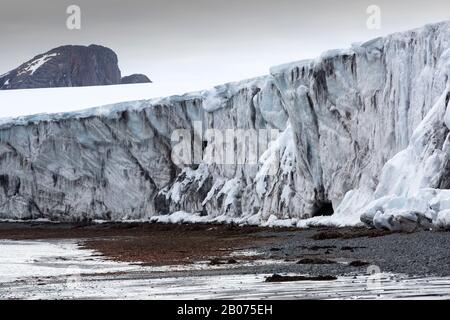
{"x": 364, "y": 130}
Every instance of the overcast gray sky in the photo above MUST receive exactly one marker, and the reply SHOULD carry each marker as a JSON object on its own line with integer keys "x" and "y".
{"x": 203, "y": 42}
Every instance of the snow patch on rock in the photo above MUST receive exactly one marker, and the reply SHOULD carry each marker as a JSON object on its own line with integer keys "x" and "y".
{"x": 34, "y": 65}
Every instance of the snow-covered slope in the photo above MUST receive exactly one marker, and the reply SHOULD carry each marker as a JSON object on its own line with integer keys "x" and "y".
{"x": 364, "y": 131}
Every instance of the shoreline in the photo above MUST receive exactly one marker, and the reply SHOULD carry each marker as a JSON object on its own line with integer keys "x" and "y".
{"x": 158, "y": 261}
{"x": 348, "y": 250}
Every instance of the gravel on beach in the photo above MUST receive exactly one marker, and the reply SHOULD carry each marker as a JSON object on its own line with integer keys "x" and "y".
{"x": 354, "y": 250}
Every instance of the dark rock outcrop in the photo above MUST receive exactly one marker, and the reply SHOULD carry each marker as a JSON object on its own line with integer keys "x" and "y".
{"x": 69, "y": 66}
{"x": 135, "y": 78}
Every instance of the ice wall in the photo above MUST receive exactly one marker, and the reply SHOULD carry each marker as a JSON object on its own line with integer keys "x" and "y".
{"x": 356, "y": 125}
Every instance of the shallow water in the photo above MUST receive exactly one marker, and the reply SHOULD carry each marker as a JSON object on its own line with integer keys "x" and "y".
{"x": 25, "y": 259}
{"x": 61, "y": 270}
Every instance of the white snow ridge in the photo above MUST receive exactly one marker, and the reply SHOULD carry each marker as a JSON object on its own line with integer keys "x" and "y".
{"x": 34, "y": 65}
{"x": 365, "y": 131}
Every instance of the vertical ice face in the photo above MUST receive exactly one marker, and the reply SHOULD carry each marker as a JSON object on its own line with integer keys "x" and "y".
{"x": 367, "y": 101}
{"x": 355, "y": 126}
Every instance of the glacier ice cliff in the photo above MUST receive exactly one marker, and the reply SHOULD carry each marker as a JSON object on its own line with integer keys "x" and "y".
{"x": 365, "y": 131}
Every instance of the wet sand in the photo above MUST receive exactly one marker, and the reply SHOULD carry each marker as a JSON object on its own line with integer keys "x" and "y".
{"x": 347, "y": 250}
{"x": 245, "y": 258}
{"x": 149, "y": 244}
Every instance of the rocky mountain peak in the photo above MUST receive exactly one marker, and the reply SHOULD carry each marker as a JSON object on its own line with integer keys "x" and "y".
{"x": 69, "y": 66}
